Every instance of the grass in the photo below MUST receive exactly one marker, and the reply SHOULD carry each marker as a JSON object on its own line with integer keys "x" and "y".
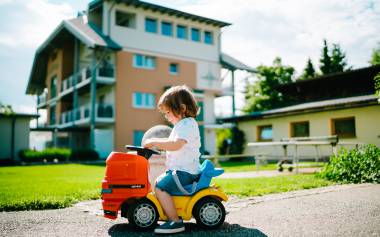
{"x": 49, "y": 186}
{"x": 59, "y": 186}
{"x": 266, "y": 185}
{"x": 243, "y": 166}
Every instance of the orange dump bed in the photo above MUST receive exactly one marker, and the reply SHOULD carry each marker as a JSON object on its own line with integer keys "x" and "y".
{"x": 126, "y": 177}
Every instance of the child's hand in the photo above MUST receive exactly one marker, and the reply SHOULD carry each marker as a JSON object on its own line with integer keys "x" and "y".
{"x": 149, "y": 143}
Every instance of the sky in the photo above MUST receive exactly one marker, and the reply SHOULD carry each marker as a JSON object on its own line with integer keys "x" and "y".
{"x": 261, "y": 30}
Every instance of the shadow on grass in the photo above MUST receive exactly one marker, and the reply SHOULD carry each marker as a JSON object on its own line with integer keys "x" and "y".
{"x": 191, "y": 230}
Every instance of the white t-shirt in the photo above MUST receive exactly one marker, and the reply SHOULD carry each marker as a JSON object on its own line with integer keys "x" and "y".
{"x": 186, "y": 158}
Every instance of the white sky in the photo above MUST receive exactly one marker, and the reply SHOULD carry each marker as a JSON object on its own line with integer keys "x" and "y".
{"x": 260, "y": 31}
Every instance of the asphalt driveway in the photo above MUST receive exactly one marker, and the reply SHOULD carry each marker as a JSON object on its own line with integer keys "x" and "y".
{"x": 344, "y": 210}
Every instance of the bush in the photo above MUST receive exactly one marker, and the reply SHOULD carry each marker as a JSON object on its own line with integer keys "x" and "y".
{"x": 84, "y": 154}
{"x": 230, "y": 141}
{"x": 355, "y": 166}
{"x": 48, "y": 155}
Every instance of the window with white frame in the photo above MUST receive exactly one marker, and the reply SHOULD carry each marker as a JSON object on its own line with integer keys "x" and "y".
{"x": 173, "y": 68}
{"x": 208, "y": 37}
{"x": 144, "y": 100}
{"x": 150, "y": 25}
{"x": 144, "y": 61}
{"x": 125, "y": 19}
{"x": 195, "y": 35}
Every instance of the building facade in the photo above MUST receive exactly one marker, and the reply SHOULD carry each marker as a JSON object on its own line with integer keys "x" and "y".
{"x": 342, "y": 104}
{"x": 100, "y": 75}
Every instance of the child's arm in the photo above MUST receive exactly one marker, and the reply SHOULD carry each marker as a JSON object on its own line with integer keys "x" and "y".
{"x": 165, "y": 144}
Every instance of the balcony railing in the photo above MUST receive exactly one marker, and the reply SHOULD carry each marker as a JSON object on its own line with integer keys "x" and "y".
{"x": 41, "y": 99}
{"x": 103, "y": 74}
{"x": 104, "y": 113}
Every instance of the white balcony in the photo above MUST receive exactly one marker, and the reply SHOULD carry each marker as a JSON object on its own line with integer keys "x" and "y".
{"x": 42, "y": 100}
{"x": 104, "y": 114}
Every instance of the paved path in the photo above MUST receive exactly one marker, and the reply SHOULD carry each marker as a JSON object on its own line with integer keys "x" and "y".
{"x": 346, "y": 210}
{"x": 265, "y": 173}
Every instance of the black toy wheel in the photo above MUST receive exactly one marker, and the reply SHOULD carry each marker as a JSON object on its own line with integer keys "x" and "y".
{"x": 209, "y": 213}
{"x": 143, "y": 214}
{"x": 290, "y": 169}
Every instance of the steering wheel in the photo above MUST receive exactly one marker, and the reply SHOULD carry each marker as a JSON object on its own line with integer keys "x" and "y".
{"x": 141, "y": 151}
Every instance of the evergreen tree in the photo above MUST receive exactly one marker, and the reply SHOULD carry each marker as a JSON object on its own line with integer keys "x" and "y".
{"x": 375, "y": 57}
{"x": 262, "y": 95}
{"x": 325, "y": 61}
{"x": 309, "y": 71}
{"x": 338, "y": 59}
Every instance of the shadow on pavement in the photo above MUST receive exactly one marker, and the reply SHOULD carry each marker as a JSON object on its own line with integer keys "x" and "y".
{"x": 191, "y": 230}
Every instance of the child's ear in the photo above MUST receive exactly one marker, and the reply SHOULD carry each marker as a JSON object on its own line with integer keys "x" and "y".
{"x": 183, "y": 108}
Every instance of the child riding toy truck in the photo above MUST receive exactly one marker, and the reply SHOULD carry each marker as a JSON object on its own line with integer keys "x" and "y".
{"x": 126, "y": 188}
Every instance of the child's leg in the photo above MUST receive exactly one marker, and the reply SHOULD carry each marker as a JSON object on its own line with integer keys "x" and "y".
{"x": 167, "y": 204}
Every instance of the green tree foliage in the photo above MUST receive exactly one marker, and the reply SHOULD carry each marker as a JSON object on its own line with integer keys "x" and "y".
{"x": 230, "y": 141}
{"x": 338, "y": 59}
{"x": 334, "y": 61}
{"x": 309, "y": 71}
{"x": 375, "y": 57}
{"x": 377, "y": 86}
{"x": 262, "y": 94}
{"x": 325, "y": 60}
{"x": 6, "y": 109}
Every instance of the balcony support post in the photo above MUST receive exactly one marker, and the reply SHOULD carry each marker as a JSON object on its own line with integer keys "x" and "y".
{"x": 75, "y": 79}
{"x": 93, "y": 100}
{"x": 233, "y": 92}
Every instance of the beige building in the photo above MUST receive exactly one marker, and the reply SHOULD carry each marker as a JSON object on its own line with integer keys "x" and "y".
{"x": 100, "y": 75}
{"x": 342, "y": 104}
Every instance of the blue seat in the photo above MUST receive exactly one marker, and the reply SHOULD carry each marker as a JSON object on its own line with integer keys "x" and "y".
{"x": 208, "y": 171}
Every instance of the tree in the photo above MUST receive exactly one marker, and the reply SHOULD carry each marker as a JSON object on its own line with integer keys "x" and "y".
{"x": 338, "y": 59}
{"x": 309, "y": 71}
{"x": 262, "y": 95}
{"x": 375, "y": 58}
{"x": 325, "y": 60}
{"x": 377, "y": 86}
{"x": 6, "y": 109}
{"x": 334, "y": 61}
{"x": 230, "y": 141}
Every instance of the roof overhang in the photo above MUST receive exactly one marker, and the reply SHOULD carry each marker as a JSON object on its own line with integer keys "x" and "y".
{"x": 230, "y": 63}
{"x": 311, "y": 107}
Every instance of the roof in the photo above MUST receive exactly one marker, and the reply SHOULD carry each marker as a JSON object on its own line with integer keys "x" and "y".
{"x": 231, "y": 63}
{"x": 163, "y": 10}
{"x": 88, "y": 33}
{"x": 310, "y": 107}
{"x": 19, "y": 115}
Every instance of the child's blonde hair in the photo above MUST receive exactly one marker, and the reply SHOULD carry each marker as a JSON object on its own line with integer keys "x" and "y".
{"x": 180, "y": 101}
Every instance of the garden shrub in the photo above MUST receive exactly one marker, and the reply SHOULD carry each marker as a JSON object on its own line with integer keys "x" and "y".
{"x": 230, "y": 141}
{"x": 354, "y": 166}
{"x": 46, "y": 155}
{"x": 84, "y": 154}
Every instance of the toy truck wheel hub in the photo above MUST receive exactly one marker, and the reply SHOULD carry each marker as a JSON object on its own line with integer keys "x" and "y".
{"x": 144, "y": 215}
{"x": 210, "y": 214}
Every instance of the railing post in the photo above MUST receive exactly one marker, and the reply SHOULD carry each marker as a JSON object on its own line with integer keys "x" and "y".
{"x": 93, "y": 99}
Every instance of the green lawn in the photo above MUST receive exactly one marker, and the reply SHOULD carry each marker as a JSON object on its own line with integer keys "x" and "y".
{"x": 265, "y": 185}
{"x": 49, "y": 186}
{"x": 242, "y": 166}
{"x": 58, "y": 186}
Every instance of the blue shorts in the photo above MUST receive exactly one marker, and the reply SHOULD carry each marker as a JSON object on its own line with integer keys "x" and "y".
{"x": 166, "y": 183}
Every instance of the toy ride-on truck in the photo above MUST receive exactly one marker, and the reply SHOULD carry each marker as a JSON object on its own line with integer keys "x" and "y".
{"x": 126, "y": 190}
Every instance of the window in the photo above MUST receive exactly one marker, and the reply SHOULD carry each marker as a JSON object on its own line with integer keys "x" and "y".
{"x": 137, "y": 137}
{"x": 299, "y": 129}
{"x": 52, "y": 115}
{"x": 143, "y": 61}
{"x": 208, "y": 37}
{"x": 125, "y": 19}
{"x": 166, "y": 28}
{"x": 150, "y": 25}
{"x": 195, "y": 35}
{"x": 343, "y": 127}
{"x": 264, "y": 133}
{"x": 144, "y": 100}
{"x": 173, "y": 68}
{"x": 53, "y": 86}
{"x": 181, "y": 32}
